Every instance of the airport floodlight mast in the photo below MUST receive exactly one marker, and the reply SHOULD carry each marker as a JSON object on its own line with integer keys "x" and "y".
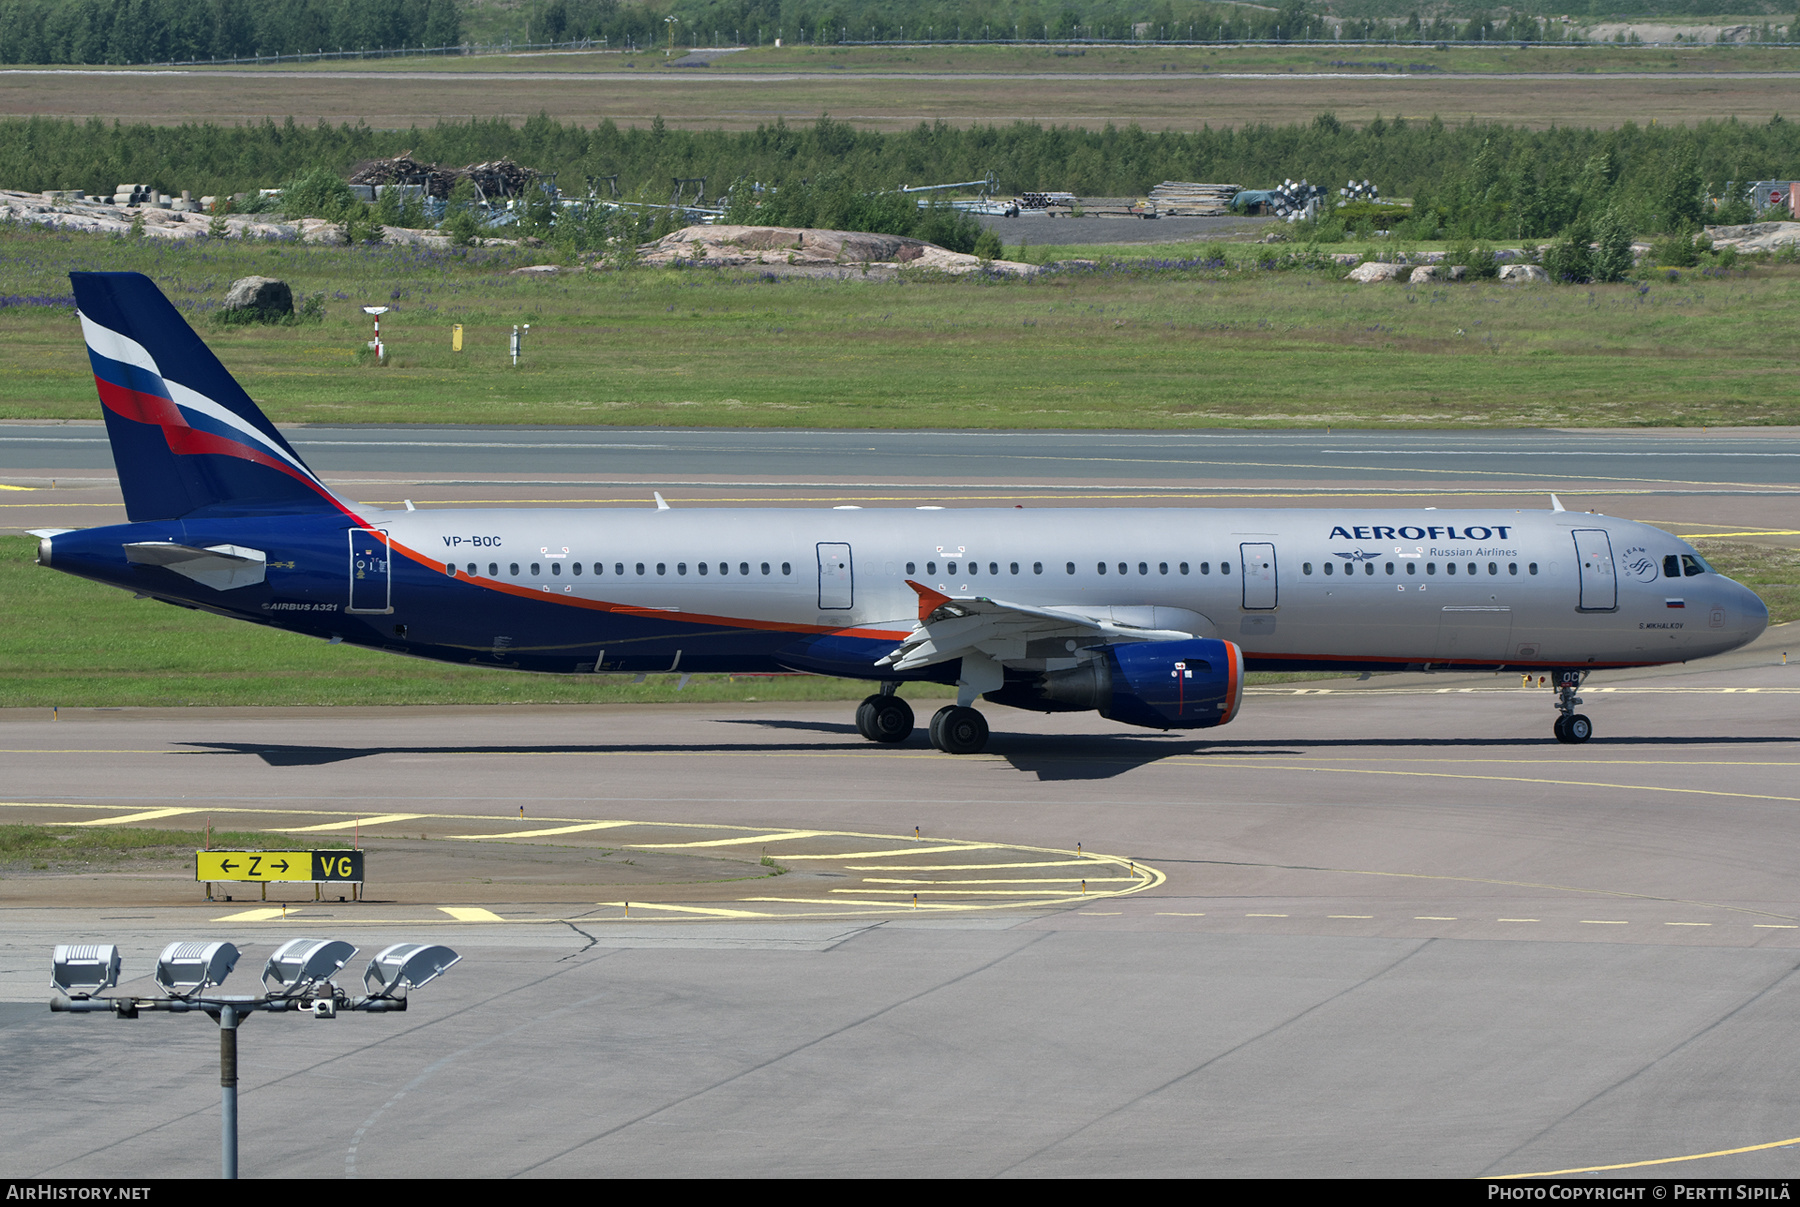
{"x": 297, "y": 977}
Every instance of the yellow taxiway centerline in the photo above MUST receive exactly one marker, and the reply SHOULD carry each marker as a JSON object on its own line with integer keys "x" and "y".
{"x": 1723, "y": 1152}
{"x": 127, "y": 818}
{"x": 378, "y": 820}
{"x": 574, "y": 829}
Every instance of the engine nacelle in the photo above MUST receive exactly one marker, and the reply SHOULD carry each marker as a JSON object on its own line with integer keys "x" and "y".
{"x": 1175, "y": 684}
{"x": 1157, "y": 684}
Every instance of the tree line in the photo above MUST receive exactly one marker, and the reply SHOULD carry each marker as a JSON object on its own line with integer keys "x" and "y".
{"x": 159, "y": 31}
{"x": 1473, "y": 179}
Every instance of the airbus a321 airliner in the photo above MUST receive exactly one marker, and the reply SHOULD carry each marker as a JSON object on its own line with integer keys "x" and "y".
{"x": 1151, "y": 617}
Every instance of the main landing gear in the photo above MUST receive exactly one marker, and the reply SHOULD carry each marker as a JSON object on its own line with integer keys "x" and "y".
{"x": 1571, "y": 728}
{"x": 955, "y": 729}
{"x": 958, "y": 730}
{"x": 885, "y": 718}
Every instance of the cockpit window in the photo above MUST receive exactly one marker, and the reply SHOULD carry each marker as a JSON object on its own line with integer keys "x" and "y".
{"x": 1671, "y": 565}
{"x": 1692, "y": 565}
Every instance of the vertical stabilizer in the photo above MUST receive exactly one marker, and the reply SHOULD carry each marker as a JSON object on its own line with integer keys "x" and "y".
{"x": 185, "y": 437}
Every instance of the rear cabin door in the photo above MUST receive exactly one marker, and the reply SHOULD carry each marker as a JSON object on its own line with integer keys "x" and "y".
{"x": 1258, "y": 564}
{"x": 837, "y": 577}
{"x": 370, "y": 580}
{"x": 1594, "y": 558}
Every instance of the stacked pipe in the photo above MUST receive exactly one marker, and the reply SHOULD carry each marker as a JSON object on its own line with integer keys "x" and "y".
{"x": 1178, "y": 199}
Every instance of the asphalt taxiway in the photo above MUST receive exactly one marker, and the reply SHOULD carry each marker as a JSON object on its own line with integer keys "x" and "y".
{"x": 1386, "y": 927}
{"x": 1372, "y": 928}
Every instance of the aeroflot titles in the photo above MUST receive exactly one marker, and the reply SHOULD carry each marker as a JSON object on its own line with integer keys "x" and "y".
{"x": 1377, "y": 533}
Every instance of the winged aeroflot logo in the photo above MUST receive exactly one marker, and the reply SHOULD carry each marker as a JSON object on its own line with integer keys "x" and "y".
{"x": 1358, "y": 555}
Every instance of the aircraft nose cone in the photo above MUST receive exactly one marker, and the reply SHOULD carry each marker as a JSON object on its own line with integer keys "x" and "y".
{"x": 1754, "y": 611}
{"x": 1745, "y": 614}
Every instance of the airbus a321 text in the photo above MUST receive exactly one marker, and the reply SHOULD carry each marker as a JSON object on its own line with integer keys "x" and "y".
{"x": 1150, "y": 617}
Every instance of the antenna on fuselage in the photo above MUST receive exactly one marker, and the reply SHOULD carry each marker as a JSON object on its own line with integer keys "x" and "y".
{"x": 1556, "y": 504}
{"x": 662, "y": 506}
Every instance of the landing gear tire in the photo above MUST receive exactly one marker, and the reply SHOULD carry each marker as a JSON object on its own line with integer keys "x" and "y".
{"x": 1574, "y": 729}
{"x": 884, "y": 719}
{"x": 958, "y": 730}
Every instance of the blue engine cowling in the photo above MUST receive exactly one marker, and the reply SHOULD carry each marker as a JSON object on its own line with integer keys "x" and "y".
{"x": 1174, "y": 684}
{"x": 1191, "y": 684}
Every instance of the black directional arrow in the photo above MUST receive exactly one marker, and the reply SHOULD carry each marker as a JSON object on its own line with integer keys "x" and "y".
{"x": 280, "y": 867}
{"x": 225, "y": 865}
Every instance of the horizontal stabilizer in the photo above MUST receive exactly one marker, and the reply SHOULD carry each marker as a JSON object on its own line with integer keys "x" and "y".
{"x": 221, "y": 567}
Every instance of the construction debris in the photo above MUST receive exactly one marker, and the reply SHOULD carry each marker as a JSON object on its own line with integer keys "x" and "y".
{"x": 1176, "y": 199}
{"x": 496, "y": 178}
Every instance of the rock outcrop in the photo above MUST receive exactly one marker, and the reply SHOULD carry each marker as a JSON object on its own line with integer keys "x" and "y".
{"x": 736, "y": 246}
{"x": 1755, "y": 237}
{"x": 1523, "y": 274}
{"x": 264, "y": 297}
{"x": 1375, "y": 271}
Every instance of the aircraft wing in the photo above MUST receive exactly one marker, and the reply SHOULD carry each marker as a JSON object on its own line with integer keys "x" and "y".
{"x": 959, "y": 627}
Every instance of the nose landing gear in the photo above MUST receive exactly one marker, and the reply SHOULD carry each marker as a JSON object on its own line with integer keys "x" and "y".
{"x": 1571, "y": 728}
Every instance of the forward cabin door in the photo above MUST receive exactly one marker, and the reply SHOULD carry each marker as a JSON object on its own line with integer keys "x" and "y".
{"x": 837, "y": 577}
{"x": 1594, "y": 559}
{"x": 370, "y": 579}
{"x": 1257, "y": 561}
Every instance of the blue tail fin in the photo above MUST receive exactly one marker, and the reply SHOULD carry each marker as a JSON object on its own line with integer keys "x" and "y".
{"x": 185, "y": 436}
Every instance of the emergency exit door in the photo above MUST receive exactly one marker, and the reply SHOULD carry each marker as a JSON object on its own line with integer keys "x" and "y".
{"x": 837, "y": 577}
{"x": 1257, "y": 562}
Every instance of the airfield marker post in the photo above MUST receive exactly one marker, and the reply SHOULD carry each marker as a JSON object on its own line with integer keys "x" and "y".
{"x": 380, "y": 352}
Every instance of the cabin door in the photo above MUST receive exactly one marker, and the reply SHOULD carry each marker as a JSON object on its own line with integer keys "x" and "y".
{"x": 370, "y": 579}
{"x": 1594, "y": 559}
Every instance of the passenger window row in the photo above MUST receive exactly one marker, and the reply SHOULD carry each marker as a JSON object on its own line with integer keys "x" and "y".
{"x": 1412, "y": 567}
{"x": 974, "y": 569}
{"x": 619, "y": 569}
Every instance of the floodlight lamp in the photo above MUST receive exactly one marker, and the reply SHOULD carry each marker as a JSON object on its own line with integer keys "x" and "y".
{"x": 82, "y": 970}
{"x": 407, "y": 966}
{"x": 375, "y": 309}
{"x": 300, "y": 964}
{"x": 184, "y": 969}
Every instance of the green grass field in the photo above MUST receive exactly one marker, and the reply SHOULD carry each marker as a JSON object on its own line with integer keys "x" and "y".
{"x": 1132, "y": 344}
{"x": 54, "y": 847}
